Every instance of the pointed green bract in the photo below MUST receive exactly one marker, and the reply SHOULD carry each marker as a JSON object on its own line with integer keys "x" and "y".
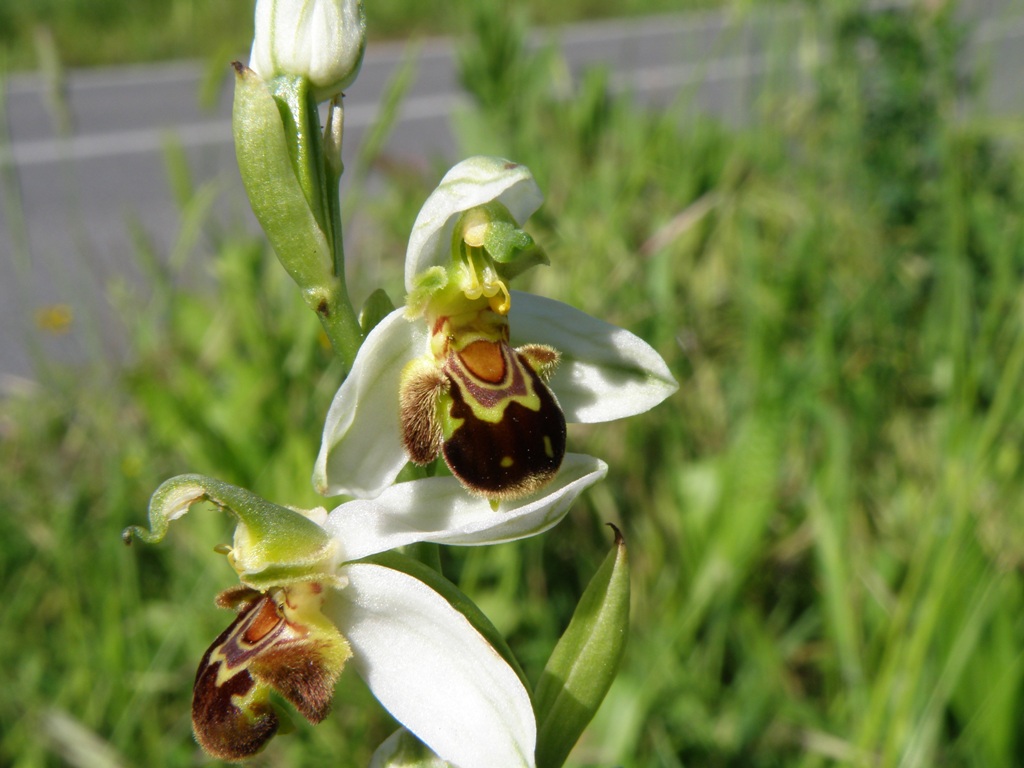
{"x": 275, "y": 193}
{"x": 377, "y": 306}
{"x": 300, "y": 117}
{"x": 403, "y": 750}
{"x": 584, "y": 662}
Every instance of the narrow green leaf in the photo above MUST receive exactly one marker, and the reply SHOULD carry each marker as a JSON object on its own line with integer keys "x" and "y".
{"x": 584, "y": 662}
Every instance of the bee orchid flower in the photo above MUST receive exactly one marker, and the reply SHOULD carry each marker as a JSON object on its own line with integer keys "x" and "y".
{"x": 308, "y": 603}
{"x": 474, "y": 372}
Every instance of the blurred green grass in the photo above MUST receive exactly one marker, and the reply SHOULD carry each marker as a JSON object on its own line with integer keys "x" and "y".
{"x": 825, "y": 523}
{"x": 109, "y": 32}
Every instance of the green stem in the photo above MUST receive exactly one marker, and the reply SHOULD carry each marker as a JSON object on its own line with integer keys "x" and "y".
{"x": 338, "y": 319}
{"x": 333, "y": 169}
{"x": 340, "y": 322}
{"x": 317, "y": 160}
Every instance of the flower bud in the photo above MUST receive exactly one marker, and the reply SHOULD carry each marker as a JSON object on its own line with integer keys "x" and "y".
{"x": 320, "y": 40}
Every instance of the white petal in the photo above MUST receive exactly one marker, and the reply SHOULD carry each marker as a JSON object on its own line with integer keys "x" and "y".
{"x": 605, "y": 373}
{"x": 362, "y": 451}
{"x": 433, "y": 671}
{"x": 438, "y": 509}
{"x": 472, "y": 182}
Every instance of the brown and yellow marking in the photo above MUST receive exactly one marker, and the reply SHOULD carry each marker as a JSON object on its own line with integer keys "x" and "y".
{"x": 484, "y": 360}
{"x": 265, "y": 649}
{"x": 263, "y": 623}
{"x": 510, "y": 456}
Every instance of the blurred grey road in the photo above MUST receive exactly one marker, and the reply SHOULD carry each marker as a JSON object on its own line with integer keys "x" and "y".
{"x": 75, "y": 178}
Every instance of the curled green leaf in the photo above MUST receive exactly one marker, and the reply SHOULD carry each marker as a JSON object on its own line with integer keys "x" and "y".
{"x": 585, "y": 660}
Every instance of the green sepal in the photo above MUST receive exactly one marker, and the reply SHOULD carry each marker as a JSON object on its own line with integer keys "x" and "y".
{"x": 282, "y": 188}
{"x": 455, "y": 597}
{"x": 377, "y": 306}
{"x": 585, "y": 660}
{"x": 273, "y": 545}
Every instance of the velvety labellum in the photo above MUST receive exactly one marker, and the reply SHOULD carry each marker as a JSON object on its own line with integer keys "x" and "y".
{"x": 232, "y": 715}
{"x": 509, "y": 431}
{"x": 484, "y": 406}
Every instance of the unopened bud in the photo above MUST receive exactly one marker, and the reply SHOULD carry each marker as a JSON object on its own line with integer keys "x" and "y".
{"x": 320, "y": 40}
